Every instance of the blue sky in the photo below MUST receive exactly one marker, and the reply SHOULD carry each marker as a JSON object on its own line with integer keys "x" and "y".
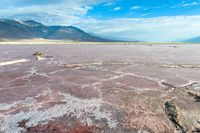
{"x": 147, "y": 20}
{"x": 144, "y": 8}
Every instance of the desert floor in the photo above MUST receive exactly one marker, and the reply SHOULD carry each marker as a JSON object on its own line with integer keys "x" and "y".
{"x": 100, "y": 88}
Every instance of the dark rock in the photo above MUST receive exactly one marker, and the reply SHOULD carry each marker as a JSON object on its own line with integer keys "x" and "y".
{"x": 39, "y": 54}
{"x": 172, "y": 114}
{"x": 195, "y": 95}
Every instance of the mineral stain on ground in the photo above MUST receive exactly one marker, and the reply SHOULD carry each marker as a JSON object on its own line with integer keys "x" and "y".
{"x": 99, "y": 88}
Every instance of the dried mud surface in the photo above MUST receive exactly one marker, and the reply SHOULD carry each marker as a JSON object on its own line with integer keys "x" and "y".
{"x": 100, "y": 89}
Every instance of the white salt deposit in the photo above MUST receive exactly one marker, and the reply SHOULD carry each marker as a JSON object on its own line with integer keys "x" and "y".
{"x": 6, "y": 63}
{"x": 73, "y": 106}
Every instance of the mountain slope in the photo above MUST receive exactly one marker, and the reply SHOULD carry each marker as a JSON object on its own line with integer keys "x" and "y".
{"x": 12, "y": 29}
{"x": 196, "y": 39}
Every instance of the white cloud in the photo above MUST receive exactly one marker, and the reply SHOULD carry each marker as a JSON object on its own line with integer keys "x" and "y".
{"x": 109, "y": 4}
{"x": 191, "y": 4}
{"x": 53, "y": 13}
{"x": 147, "y": 29}
{"x": 64, "y": 12}
{"x": 117, "y": 8}
{"x": 135, "y": 7}
{"x": 184, "y": 4}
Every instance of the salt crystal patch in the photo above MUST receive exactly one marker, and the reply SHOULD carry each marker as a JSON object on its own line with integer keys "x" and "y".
{"x": 6, "y": 63}
{"x": 74, "y": 106}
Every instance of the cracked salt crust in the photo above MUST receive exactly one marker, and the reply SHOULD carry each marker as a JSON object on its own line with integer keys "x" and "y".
{"x": 73, "y": 106}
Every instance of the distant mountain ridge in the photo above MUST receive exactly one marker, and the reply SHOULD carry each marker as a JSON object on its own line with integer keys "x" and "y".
{"x": 30, "y": 29}
{"x": 196, "y": 39}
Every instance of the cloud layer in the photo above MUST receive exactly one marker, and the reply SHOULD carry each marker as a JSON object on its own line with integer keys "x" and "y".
{"x": 59, "y": 12}
{"x": 168, "y": 28}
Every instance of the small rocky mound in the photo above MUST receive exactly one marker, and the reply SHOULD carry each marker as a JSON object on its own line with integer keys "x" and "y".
{"x": 41, "y": 56}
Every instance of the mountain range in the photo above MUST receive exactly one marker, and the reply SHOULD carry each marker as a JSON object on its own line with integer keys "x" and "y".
{"x": 193, "y": 40}
{"x": 30, "y": 29}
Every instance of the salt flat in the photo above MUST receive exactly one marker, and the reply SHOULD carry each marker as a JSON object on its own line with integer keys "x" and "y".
{"x": 100, "y": 88}
{"x": 13, "y": 62}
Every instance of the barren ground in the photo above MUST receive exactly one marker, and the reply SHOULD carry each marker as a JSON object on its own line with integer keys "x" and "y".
{"x": 100, "y": 89}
